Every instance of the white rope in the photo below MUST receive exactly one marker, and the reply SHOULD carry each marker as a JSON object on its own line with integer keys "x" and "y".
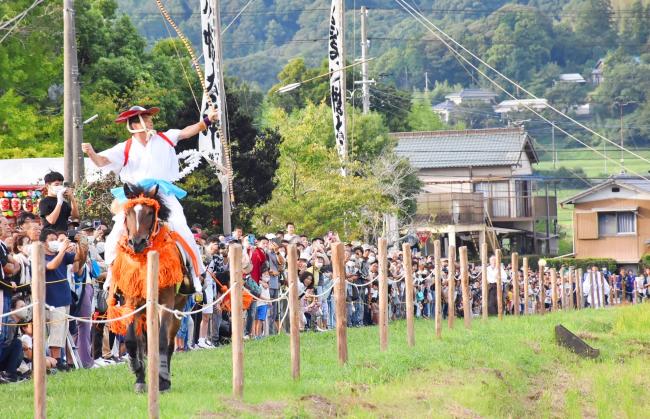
{"x": 275, "y": 300}
{"x": 327, "y": 290}
{"x": 482, "y": 73}
{"x": 286, "y": 311}
{"x": 361, "y": 285}
{"x": 84, "y": 320}
{"x": 18, "y": 310}
{"x": 395, "y": 281}
{"x": 180, "y": 314}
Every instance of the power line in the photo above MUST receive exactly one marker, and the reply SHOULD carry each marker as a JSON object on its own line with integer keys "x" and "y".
{"x": 421, "y": 19}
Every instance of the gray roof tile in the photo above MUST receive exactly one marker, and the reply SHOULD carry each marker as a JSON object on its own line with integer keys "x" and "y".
{"x": 476, "y": 148}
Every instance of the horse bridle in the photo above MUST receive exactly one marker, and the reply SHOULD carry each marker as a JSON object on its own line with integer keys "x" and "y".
{"x": 149, "y": 202}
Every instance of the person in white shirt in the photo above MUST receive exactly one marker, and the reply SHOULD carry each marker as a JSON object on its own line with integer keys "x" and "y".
{"x": 150, "y": 155}
{"x": 492, "y": 271}
{"x": 600, "y": 284}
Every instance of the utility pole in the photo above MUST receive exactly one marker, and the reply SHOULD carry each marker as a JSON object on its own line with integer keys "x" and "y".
{"x": 226, "y": 205}
{"x": 553, "y": 142}
{"x": 620, "y": 107}
{"x": 68, "y": 92}
{"x": 605, "y": 152}
{"x": 365, "y": 84}
{"x": 426, "y": 81}
{"x": 78, "y": 170}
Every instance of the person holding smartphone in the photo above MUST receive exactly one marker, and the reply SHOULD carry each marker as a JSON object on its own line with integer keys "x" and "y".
{"x": 58, "y": 205}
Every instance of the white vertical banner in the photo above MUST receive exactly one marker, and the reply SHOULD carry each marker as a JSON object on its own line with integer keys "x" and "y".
{"x": 337, "y": 77}
{"x": 209, "y": 140}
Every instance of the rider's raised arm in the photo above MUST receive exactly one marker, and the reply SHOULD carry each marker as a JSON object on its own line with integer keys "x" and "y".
{"x": 192, "y": 130}
{"x": 112, "y": 159}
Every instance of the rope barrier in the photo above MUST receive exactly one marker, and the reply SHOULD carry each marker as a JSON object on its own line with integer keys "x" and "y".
{"x": 274, "y": 300}
{"x": 27, "y": 307}
{"x": 327, "y": 290}
{"x": 180, "y": 314}
{"x": 17, "y": 286}
{"x": 85, "y": 320}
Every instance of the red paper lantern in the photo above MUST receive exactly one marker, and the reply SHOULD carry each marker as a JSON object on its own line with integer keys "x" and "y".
{"x": 15, "y": 204}
{"x": 28, "y": 205}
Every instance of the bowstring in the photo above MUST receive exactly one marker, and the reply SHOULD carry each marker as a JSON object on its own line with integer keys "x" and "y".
{"x": 199, "y": 72}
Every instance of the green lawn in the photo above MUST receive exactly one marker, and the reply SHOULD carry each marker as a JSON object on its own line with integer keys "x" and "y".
{"x": 510, "y": 368}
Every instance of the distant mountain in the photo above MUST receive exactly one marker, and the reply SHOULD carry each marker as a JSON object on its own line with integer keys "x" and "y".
{"x": 270, "y": 33}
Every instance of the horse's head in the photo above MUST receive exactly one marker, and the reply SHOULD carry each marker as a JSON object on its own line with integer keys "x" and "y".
{"x": 142, "y": 211}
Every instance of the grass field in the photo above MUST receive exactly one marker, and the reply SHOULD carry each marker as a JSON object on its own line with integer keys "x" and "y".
{"x": 594, "y": 164}
{"x": 510, "y": 368}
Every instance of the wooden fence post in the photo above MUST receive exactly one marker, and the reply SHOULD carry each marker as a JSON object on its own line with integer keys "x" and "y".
{"x": 526, "y": 285}
{"x": 383, "y": 294}
{"x": 515, "y": 281}
{"x": 294, "y": 310}
{"x": 464, "y": 283}
{"x": 484, "y": 281}
{"x": 601, "y": 291}
{"x": 338, "y": 260}
{"x": 541, "y": 296}
{"x": 553, "y": 290}
{"x": 38, "y": 332}
{"x": 438, "y": 262}
{"x": 571, "y": 279}
{"x": 153, "y": 335}
{"x": 236, "y": 320}
{"x": 579, "y": 292}
{"x": 591, "y": 289}
{"x": 499, "y": 285}
{"x": 408, "y": 281}
{"x": 451, "y": 286}
{"x": 562, "y": 289}
{"x": 612, "y": 291}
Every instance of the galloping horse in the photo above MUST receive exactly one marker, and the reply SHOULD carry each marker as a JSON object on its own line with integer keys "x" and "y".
{"x": 145, "y": 216}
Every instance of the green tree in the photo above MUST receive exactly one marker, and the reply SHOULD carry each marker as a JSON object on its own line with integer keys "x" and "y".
{"x": 594, "y": 25}
{"x": 422, "y": 118}
{"x": 310, "y": 190}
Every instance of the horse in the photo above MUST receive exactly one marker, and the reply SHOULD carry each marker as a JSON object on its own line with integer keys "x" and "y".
{"x": 145, "y": 230}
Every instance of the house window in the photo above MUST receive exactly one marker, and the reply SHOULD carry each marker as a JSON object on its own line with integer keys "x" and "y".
{"x": 613, "y": 223}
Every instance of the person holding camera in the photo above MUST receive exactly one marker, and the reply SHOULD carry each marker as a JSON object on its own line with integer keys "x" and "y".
{"x": 59, "y": 254}
{"x": 58, "y": 205}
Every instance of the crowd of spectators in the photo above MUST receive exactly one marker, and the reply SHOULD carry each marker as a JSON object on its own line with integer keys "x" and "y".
{"x": 75, "y": 275}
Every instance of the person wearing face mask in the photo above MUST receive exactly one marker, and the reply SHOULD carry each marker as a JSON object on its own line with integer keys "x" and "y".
{"x": 21, "y": 252}
{"x": 58, "y": 205}
{"x": 58, "y": 256}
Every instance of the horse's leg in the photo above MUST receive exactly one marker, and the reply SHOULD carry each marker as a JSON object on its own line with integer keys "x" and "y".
{"x": 175, "y": 324}
{"x": 165, "y": 298}
{"x": 134, "y": 349}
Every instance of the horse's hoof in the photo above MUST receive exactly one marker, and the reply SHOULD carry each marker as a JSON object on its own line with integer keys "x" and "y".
{"x": 140, "y": 388}
{"x": 164, "y": 386}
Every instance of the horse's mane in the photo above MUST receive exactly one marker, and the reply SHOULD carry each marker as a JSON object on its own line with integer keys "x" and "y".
{"x": 133, "y": 191}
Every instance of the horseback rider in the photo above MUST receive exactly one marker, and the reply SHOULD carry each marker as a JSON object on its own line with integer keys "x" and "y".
{"x": 149, "y": 158}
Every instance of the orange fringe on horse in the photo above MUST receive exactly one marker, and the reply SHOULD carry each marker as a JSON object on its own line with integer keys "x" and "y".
{"x": 130, "y": 277}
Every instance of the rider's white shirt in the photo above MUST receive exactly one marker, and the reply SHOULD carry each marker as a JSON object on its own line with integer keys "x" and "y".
{"x": 155, "y": 160}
